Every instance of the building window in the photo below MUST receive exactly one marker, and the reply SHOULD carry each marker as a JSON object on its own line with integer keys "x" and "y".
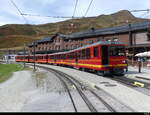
{"x": 66, "y": 46}
{"x": 90, "y": 41}
{"x": 58, "y": 47}
{"x": 72, "y": 46}
{"x": 148, "y": 36}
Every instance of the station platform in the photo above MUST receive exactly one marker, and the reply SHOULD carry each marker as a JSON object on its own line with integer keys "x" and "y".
{"x": 134, "y": 73}
{"x": 137, "y": 101}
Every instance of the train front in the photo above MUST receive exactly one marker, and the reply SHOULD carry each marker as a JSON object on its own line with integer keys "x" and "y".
{"x": 113, "y": 58}
{"x": 117, "y": 59}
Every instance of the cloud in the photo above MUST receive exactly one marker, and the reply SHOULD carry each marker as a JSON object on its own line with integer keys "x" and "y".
{"x": 9, "y": 13}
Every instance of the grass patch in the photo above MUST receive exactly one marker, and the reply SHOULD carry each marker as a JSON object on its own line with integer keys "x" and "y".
{"x": 6, "y": 70}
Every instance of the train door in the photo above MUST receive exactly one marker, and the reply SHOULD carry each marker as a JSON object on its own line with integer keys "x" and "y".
{"x": 76, "y": 57}
{"x": 46, "y": 58}
{"x": 105, "y": 55}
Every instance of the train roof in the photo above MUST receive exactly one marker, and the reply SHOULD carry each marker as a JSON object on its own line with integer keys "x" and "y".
{"x": 94, "y": 44}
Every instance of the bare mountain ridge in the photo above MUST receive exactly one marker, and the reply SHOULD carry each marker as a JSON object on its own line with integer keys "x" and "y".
{"x": 14, "y": 35}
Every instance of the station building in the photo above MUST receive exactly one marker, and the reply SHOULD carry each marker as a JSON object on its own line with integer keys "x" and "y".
{"x": 136, "y": 36}
{"x": 9, "y": 58}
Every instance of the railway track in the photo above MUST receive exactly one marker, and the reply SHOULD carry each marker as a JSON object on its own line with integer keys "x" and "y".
{"x": 135, "y": 84}
{"x": 81, "y": 90}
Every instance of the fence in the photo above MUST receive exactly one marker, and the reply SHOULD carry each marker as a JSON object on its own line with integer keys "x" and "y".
{"x": 144, "y": 63}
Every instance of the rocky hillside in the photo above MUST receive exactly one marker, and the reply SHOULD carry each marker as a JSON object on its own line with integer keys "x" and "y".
{"x": 15, "y": 35}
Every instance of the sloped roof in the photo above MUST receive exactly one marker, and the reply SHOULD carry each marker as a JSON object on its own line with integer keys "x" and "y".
{"x": 45, "y": 39}
{"x": 98, "y": 32}
{"x": 106, "y": 31}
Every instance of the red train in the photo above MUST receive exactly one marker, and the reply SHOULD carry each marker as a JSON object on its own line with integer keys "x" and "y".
{"x": 103, "y": 57}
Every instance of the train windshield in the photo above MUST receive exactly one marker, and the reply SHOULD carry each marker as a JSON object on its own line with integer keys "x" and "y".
{"x": 117, "y": 51}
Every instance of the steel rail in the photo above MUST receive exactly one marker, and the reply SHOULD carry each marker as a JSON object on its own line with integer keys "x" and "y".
{"x": 61, "y": 74}
{"x": 91, "y": 107}
{"x": 131, "y": 83}
{"x": 104, "y": 102}
{"x": 64, "y": 84}
{"x": 98, "y": 97}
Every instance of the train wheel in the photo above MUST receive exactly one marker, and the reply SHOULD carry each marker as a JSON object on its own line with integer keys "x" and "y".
{"x": 118, "y": 71}
{"x": 83, "y": 69}
{"x": 101, "y": 73}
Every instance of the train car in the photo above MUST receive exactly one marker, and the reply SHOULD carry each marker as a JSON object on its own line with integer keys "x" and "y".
{"x": 22, "y": 58}
{"x": 102, "y": 57}
{"x": 41, "y": 58}
{"x": 31, "y": 58}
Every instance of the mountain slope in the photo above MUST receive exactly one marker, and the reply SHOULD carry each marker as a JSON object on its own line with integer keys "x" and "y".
{"x": 14, "y": 35}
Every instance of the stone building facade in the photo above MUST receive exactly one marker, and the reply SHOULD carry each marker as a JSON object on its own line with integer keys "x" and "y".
{"x": 136, "y": 36}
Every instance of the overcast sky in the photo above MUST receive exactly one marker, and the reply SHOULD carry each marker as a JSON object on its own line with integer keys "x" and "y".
{"x": 10, "y": 15}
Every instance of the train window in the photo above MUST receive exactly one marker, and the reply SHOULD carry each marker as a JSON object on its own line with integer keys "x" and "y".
{"x": 117, "y": 51}
{"x": 62, "y": 56}
{"x": 83, "y": 54}
{"x": 59, "y": 56}
{"x": 88, "y": 53}
{"x": 95, "y": 51}
{"x": 79, "y": 54}
{"x": 71, "y": 55}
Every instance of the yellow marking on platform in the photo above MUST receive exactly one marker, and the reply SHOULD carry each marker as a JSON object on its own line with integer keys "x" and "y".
{"x": 139, "y": 84}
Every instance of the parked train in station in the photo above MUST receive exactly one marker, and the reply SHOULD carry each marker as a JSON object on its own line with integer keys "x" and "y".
{"x": 103, "y": 57}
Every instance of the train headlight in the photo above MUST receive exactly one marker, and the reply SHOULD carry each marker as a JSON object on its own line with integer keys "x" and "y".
{"x": 123, "y": 61}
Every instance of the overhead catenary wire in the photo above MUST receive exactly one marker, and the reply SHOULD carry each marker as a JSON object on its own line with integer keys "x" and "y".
{"x": 88, "y": 8}
{"x": 18, "y": 10}
{"x": 143, "y": 10}
{"x": 26, "y": 21}
{"x": 140, "y": 10}
{"x": 147, "y": 16}
{"x": 143, "y": 14}
{"x": 37, "y": 15}
{"x": 75, "y": 9}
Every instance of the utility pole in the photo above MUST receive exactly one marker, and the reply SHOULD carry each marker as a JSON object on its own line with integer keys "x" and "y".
{"x": 24, "y": 56}
{"x": 139, "y": 64}
{"x": 34, "y": 56}
{"x": 131, "y": 42}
